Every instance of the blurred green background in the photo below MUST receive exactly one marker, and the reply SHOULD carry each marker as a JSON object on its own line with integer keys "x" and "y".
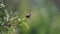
{"x": 44, "y": 19}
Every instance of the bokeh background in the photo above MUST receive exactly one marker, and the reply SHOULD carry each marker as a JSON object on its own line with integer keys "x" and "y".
{"x": 44, "y": 18}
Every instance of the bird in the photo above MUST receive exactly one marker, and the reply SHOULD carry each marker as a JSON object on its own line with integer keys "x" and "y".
{"x": 28, "y": 15}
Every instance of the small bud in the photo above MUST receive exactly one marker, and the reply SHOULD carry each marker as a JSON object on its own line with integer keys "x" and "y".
{"x": 19, "y": 19}
{"x": 2, "y": 5}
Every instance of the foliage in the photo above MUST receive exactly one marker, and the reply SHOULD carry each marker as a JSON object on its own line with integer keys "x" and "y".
{"x": 7, "y": 25}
